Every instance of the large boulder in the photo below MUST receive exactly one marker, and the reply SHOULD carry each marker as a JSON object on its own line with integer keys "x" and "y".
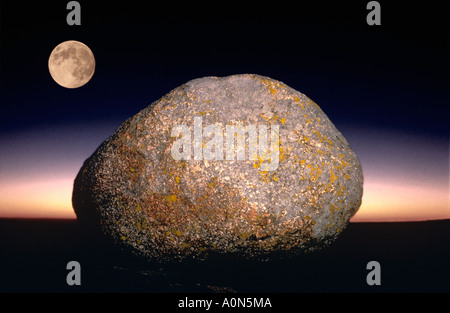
{"x": 239, "y": 164}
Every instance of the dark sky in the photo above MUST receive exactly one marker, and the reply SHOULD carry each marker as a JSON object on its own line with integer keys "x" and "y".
{"x": 391, "y": 76}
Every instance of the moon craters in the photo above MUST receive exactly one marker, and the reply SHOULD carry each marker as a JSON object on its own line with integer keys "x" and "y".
{"x": 71, "y": 64}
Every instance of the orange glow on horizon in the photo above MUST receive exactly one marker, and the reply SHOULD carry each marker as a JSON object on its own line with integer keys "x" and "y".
{"x": 37, "y": 199}
{"x": 405, "y": 176}
{"x": 395, "y": 201}
{"x": 382, "y": 201}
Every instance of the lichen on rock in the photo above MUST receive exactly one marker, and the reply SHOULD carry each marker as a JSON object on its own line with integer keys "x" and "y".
{"x": 239, "y": 164}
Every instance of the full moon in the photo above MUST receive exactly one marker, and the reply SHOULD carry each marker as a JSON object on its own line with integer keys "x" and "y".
{"x": 71, "y": 64}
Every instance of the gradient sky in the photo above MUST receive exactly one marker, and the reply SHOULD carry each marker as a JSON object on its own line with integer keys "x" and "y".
{"x": 406, "y": 176}
{"x": 384, "y": 88}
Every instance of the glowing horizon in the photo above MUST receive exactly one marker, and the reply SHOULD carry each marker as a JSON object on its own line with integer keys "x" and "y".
{"x": 382, "y": 202}
{"x": 36, "y": 184}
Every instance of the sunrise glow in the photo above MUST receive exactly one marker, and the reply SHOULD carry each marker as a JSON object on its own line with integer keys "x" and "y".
{"x": 38, "y": 199}
{"x": 392, "y": 202}
{"x": 37, "y": 172}
{"x": 382, "y": 201}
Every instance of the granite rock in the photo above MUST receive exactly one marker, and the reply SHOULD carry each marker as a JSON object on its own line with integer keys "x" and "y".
{"x": 239, "y": 164}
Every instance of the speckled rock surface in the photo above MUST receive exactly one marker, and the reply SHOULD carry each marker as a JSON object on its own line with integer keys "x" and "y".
{"x": 159, "y": 189}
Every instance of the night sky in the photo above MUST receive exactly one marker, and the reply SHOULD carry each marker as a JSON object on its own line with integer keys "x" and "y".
{"x": 384, "y": 87}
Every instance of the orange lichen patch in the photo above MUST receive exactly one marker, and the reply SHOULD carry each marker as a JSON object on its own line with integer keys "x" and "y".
{"x": 271, "y": 85}
{"x": 213, "y": 182}
{"x": 342, "y": 160}
{"x": 309, "y": 101}
{"x": 333, "y": 208}
{"x": 324, "y": 139}
{"x": 275, "y": 177}
{"x": 316, "y": 171}
{"x": 341, "y": 190}
{"x": 264, "y": 117}
{"x": 332, "y": 177}
{"x": 328, "y": 187}
{"x": 298, "y": 102}
{"x": 318, "y": 135}
{"x": 314, "y": 201}
{"x": 282, "y": 154}
{"x": 327, "y": 140}
{"x": 269, "y": 120}
{"x": 265, "y": 176}
{"x": 258, "y": 162}
{"x": 301, "y": 138}
{"x": 244, "y": 235}
{"x": 171, "y": 198}
{"x": 185, "y": 245}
